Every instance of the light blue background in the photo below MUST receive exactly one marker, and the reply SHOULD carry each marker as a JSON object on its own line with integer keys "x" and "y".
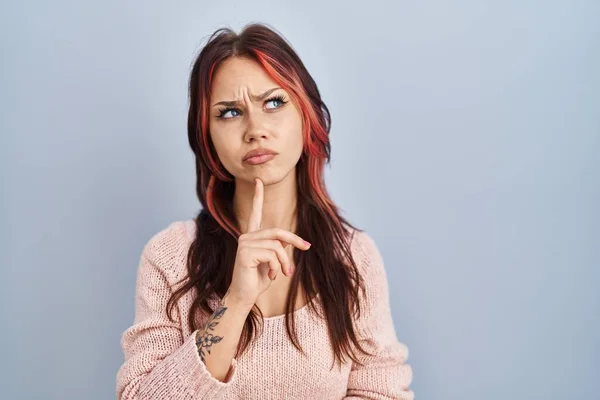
{"x": 466, "y": 139}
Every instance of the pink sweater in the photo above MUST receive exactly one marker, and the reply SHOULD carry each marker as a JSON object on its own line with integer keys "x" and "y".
{"x": 162, "y": 362}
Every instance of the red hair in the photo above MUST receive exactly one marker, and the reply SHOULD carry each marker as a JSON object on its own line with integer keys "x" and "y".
{"x": 333, "y": 273}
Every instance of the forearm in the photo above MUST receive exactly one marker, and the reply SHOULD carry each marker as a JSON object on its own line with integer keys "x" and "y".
{"x": 218, "y": 340}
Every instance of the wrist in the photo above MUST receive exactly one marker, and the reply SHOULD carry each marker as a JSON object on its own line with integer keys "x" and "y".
{"x": 236, "y": 305}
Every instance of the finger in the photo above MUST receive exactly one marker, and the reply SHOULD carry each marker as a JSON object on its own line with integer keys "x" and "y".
{"x": 279, "y": 234}
{"x": 268, "y": 257}
{"x": 257, "y": 206}
{"x": 274, "y": 245}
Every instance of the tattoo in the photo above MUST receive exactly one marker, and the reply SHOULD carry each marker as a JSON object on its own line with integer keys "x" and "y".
{"x": 206, "y": 339}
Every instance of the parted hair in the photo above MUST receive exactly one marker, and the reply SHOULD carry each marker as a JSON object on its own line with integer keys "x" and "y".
{"x": 328, "y": 269}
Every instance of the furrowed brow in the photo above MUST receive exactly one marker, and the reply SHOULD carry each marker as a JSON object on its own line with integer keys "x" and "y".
{"x": 259, "y": 97}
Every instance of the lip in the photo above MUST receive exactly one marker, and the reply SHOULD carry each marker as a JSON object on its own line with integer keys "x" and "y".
{"x": 261, "y": 151}
{"x": 260, "y": 159}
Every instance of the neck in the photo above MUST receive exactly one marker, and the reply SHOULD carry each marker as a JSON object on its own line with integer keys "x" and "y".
{"x": 279, "y": 203}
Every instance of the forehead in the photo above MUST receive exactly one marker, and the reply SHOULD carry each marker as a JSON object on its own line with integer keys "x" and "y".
{"x": 236, "y": 74}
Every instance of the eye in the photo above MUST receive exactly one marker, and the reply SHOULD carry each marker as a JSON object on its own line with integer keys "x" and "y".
{"x": 223, "y": 111}
{"x": 278, "y": 98}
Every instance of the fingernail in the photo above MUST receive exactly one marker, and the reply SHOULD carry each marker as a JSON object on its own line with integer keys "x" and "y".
{"x": 307, "y": 243}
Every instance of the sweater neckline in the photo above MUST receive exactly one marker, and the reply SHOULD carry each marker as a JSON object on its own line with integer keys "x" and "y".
{"x": 300, "y": 312}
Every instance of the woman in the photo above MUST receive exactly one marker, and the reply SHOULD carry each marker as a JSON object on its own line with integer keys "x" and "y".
{"x": 236, "y": 304}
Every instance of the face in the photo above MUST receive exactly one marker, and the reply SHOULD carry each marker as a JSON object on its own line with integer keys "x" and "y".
{"x": 272, "y": 122}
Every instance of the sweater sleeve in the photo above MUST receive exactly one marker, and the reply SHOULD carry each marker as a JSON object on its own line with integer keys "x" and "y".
{"x": 159, "y": 363}
{"x": 385, "y": 375}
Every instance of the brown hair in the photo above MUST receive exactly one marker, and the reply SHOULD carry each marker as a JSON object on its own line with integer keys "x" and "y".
{"x": 333, "y": 273}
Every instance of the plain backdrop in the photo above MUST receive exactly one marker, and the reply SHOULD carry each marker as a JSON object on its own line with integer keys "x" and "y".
{"x": 465, "y": 141}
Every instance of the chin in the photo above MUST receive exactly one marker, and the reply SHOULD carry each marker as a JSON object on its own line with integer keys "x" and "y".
{"x": 267, "y": 176}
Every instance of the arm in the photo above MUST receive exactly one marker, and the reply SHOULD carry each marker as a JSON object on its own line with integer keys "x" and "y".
{"x": 162, "y": 364}
{"x": 218, "y": 341}
{"x": 385, "y": 375}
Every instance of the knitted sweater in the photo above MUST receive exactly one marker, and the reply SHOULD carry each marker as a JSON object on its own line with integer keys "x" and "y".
{"x": 162, "y": 361}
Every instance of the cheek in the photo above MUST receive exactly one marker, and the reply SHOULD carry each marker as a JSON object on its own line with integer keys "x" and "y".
{"x": 222, "y": 148}
{"x": 298, "y": 128}
{"x": 299, "y": 140}
{"x": 296, "y": 142}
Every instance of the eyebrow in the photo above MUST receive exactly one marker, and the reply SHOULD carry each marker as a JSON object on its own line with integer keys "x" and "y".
{"x": 259, "y": 97}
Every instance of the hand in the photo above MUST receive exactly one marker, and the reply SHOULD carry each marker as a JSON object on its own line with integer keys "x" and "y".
{"x": 261, "y": 254}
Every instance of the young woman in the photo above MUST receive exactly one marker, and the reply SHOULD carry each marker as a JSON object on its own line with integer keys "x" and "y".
{"x": 237, "y": 304}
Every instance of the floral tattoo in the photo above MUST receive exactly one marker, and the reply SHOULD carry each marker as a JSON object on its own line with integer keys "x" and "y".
{"x": 206, "y": 339}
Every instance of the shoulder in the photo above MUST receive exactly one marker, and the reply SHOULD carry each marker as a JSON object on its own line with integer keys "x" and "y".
{"x": 371, "y": 266}
{"x": 364, "y": 247}
{"x": 168, "y": 247}
{"x": 368, "y": 258}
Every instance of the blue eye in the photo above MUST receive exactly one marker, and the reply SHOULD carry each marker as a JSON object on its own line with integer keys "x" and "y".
{"x": 279, "y": 98}
{"x": 225, "y": 111}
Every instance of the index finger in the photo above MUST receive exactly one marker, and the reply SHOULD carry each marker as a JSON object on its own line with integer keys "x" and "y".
{"x": 257, "y": 206}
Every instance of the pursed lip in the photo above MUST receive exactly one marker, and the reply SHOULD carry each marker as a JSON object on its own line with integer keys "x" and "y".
{"x": 258, "y": 152}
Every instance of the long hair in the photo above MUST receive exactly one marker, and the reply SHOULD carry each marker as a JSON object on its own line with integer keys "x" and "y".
{"x": 333, "y": 273}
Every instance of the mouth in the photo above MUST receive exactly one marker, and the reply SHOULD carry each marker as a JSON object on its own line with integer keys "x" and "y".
{"x": 259, "y": 155}
{"x": 261, "y": 159}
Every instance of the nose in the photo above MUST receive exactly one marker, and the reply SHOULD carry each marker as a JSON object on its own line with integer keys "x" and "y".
{"x": 255, "y": 128}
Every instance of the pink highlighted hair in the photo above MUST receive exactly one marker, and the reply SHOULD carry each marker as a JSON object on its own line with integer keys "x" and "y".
{"x": 328, "y": 269}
